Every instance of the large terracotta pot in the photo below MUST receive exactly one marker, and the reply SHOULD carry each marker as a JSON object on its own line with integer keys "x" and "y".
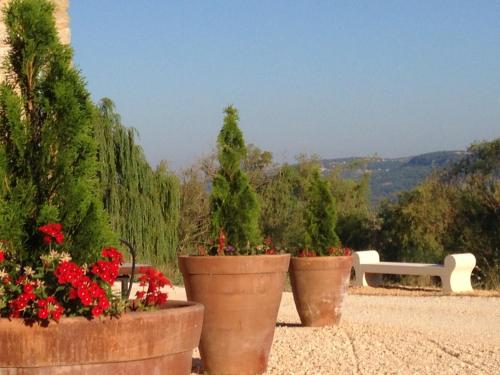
{"x": 241, "y": 295}
{"x": 150, "y": 342}
{"x": 319, "y": 285}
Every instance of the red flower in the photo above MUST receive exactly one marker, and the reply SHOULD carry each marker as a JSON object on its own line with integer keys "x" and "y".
{"x": 68, "y": 272}
{"x": 56, "y": 315}
{"x": 49, "y": 307}
{"x": 72, "y": 294}
{"x": 85, "y": 296}
{"x": 153, "y": 280}
{"x": 108, "y": 271}
{"x": 96, "y": 311}
{"x": 52, "y": 300}
{"x": 140, "y": 294}
{"x": 103, "y": 303}
{"x": 307, "y": 253}
{"x": 57, "y": 312}
{"x": 339, "y": 251}
{"x": 43, "y": 313}
{"x": 2, "y": 256}
{"x": 52, "y": 232}
{"x": 114, "y": 255}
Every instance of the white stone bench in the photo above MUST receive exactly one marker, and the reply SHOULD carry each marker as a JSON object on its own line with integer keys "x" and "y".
{"x": 455, "y": 273}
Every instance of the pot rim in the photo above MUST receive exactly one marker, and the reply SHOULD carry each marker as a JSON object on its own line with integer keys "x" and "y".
{"x": 167, "y": 306}
{"x": 234, "y": 256}
{"x": 233, "y": 265}
{"x": 316, "y": 258}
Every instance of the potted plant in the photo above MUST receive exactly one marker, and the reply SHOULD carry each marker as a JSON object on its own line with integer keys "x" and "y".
{"x": 57, "y": 309}
{"x": 59, "y": 316}
{"x": 239, "y": 283}
{"x": 320, "y": 273}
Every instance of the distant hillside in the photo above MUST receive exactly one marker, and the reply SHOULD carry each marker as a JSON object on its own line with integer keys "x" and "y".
{"x": 390, "y": 176}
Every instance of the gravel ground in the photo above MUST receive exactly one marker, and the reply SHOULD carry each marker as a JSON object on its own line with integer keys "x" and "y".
{"x": 389, "y": 334}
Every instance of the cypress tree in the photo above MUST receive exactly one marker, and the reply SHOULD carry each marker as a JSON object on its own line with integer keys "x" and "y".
{"x": 321, "y": 216}
{"x": 47, "y": 150}
{"x": 233, "y": 202}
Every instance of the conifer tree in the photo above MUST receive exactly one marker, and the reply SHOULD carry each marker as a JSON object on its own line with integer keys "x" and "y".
{"x": 233, "y": 202}
{"x": 321, "y": 216}
{"x": 47, "y": 150}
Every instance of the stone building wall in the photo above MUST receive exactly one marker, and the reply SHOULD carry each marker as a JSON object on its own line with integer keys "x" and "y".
{"x": 62, "y": 24}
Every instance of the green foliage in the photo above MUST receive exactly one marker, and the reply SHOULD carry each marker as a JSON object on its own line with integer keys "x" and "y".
{"x": 456, "y": 210}
{"x": 414, "y": 228}
{"x": 321, "y": 216}
{"x": 482, "y": 158}
{"x": 388, "y": 177}
{"x": 194, "y": 224}
{"x": 47, "y": 148}
{"x": 357, "y": 223}
{"x": 234, "y": 205}
{"x": 476, "y": 195}
{"x": 143, "y": 203}
{"x": 258, "y": 166}
{"x": 283, "y": 206}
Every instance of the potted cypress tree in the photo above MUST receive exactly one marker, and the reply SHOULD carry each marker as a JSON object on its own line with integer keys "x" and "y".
{"x": 57, "y": 309}
{"x": 320, "y": 273}
{"x": 239, "y": 286}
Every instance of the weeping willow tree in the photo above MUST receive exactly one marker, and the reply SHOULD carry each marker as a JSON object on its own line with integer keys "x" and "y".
{"x": 143, "y": 203}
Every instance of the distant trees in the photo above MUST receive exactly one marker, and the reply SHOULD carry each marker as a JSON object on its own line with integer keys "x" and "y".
{"x": 194, "y": 222}
{"x": 414, "y": 228}
{"x": 455, "y": 210}
{"x": 357, "y": 222}
{"x": 475, "y": 183}
{"x": 283, "y": 206}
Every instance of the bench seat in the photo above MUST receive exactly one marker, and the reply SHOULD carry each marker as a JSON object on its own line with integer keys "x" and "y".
{"x": 396, "y": 268}
{"x": 455, "y": 273}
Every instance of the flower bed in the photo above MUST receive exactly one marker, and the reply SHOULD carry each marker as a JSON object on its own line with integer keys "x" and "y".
{"x": 55, "y": 285}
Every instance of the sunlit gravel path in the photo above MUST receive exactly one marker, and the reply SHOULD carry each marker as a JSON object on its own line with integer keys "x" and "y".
{"x": 389, "y": 335}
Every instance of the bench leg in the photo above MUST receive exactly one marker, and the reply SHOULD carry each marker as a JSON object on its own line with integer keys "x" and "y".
{"x": 373, "y": 279}
{"x": 458, "y": 270}
{"x": 367, "y": 279}
{"x": 456, "y": 282}
{"x": 124, "y": 285}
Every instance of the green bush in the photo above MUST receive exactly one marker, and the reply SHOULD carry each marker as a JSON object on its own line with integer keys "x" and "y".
{"x": 48, "y": 159}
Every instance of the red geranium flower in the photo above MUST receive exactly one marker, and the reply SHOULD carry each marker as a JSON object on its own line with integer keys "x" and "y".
{"x": 52, "y": 232}
{"x": 43, "y": 313}
{"x": 307, "y": 253}
{"x": 96, "y": 311}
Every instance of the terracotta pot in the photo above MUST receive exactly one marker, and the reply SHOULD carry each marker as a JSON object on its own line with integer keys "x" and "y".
{"x": 149, "y": 342}
{"x": 241, "y": 295}
{"x": 319, "y": 285}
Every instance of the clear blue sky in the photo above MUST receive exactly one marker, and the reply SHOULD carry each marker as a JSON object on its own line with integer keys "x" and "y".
{"x": 335, "y": 78}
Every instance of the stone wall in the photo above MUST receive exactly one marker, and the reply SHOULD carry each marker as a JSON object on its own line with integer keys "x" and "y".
{"x": 62, "y": 24}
